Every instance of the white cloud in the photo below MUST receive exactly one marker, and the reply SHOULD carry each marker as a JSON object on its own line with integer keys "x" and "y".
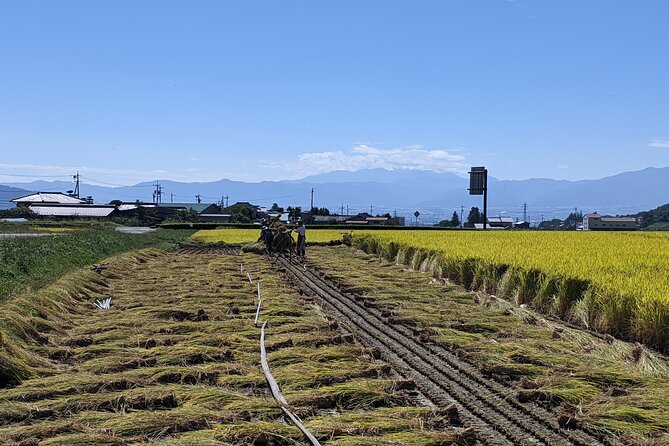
{"x": 562, "y": 166}
{"x": 364, "y": 156}
{"x": 659, "y": 143}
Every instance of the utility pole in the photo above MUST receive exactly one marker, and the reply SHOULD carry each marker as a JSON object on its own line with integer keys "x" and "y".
{"x": 342, "y": 209}
{"x": 347, "y": 210}
{"x": 157, "y": 194}
{"x": 312, "y": 199}
{"x": 198, "y": 198}
{"x": 76, "y": 184}
{"x": 524, "y": 211}
{"x": 462, "y": 209}
{"x": 371, "y": 210}
{"x": 171, "y": 197}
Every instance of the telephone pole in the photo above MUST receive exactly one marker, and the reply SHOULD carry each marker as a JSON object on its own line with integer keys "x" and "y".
{"x": 171, "y": 197}
{"x": 371, "y": 209}
{"x": 312, "y": 199}
{"x": 198, "y": 198}
{"x": 76, "y": 184}
{"x": 462, "y": 209}
{"x": 158, "y": 193}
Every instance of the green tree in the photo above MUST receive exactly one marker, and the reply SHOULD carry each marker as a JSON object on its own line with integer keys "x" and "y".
{"x": 474, "y": 217}
{"x": 455, "y": 220}
{"x": 294, "y": 213}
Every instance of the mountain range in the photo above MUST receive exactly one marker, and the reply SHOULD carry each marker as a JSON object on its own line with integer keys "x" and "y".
{"x": 435, "y": 195}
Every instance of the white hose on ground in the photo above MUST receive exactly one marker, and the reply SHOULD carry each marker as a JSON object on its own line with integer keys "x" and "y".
{"x": 276, "y": 392}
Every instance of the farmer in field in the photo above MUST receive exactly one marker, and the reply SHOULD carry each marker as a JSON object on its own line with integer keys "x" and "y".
{"x": 301, "y": 238}
{"x": 266, "y": 235}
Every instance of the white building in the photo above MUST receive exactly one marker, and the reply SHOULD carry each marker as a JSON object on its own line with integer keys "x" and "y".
{"x": 595, "y": 222}
{"x": 47, "y": 198}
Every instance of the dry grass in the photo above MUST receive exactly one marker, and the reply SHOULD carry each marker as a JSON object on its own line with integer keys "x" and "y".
{"x": 175, "y": 361}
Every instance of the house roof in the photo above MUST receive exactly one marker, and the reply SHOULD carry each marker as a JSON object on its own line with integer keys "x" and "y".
{"x": 82, "y": 210}
{"x": 612, "y": 219}
{"x": 326, "y": 218}
{"x": 500, "y": 220}
{"x": 48, "y": 197}
{"x": 130, "y": 207}
{"x": 197, "y": 207}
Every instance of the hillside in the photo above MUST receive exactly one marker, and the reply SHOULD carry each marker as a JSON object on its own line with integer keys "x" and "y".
{"x": 7, "y": 193}
{"x": 657, "y": 218}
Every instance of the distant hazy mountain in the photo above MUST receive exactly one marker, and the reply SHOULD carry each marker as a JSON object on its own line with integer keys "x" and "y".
{"x": 435, "y": 195}
{"x": 8, "y": 193}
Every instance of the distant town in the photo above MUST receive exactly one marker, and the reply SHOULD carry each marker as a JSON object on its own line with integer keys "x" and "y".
{"x": 63, "y": 206}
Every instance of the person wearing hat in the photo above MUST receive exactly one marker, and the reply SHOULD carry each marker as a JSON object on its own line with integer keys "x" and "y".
{"x": 301, "y": 238}
{"x": 266, "y": 235}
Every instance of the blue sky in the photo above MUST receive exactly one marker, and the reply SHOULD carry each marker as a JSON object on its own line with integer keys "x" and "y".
{"x": 198, "y": 91}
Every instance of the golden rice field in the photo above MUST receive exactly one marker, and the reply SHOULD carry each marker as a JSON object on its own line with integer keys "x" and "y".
{"x": 240, "y": 236}
{"x": 614, "y": 282}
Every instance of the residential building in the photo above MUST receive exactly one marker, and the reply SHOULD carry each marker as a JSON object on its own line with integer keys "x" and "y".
{"x": 73, "y": 210}
{"x": 47, "y": 198}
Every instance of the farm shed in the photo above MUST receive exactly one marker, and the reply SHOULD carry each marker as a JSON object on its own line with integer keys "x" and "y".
{"x": 47, "y": 198}
{"x": 500, "y": 222}
{"x": 377, "y": 220}
{"x": 595, "y": 222}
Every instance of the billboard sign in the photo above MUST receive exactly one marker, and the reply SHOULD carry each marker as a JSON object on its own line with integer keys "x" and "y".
{"x": 478, "y": 180}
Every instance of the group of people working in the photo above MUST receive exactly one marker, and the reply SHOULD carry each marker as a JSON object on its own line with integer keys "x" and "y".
{"x": 268, "y": 233}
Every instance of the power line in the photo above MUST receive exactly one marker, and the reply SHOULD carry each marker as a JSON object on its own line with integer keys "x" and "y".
{"x": 33, "y": 176}
{"x": 112, "y": 184}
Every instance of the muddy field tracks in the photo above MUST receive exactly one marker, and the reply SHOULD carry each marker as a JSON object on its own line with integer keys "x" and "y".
{"x": 485, "y": 405}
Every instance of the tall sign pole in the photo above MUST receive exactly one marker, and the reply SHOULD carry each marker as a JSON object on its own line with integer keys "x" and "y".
{"x": 478, "y": 185}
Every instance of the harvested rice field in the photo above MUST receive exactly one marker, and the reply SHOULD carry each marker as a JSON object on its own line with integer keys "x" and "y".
{"x": 363, "y": 351}
{"x": 176, "y": 361}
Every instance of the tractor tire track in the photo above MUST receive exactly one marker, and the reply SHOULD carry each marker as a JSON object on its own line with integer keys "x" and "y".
{"x": 484, "y": 405}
